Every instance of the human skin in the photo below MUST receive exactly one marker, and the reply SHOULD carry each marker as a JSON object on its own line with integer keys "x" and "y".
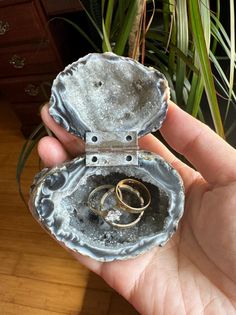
{"x": 195, "y": 272}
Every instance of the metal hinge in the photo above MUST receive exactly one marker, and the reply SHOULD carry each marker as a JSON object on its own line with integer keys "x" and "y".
{"x": 111, "y": 148}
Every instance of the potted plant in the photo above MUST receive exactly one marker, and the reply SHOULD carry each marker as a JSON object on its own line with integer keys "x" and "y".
{"x": 185, "y": 40}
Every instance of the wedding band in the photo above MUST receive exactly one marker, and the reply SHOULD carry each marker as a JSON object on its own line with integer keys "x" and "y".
{"x": 112, "y": 190}
{"x": 138, "y": 186}
{"x": 129, "y": 188}
{"x": 114, "y": 213}
{"x": 93, "y": 192}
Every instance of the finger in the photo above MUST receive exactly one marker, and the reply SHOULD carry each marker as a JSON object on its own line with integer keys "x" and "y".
{"x": 51, "y": 151}
{"x": 73, "y": 145}
{"x": 210, "y": 154}
{"x": 152, "y": 144}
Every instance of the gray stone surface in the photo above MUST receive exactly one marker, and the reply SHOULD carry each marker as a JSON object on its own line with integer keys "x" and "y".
{"x": 59, "y": 202}
{"x": 104, "y": 92}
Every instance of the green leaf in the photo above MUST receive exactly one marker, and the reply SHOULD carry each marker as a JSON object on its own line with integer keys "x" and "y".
{"x": 92, "y": 21}
{"x": 188, "y": 61}
{"x": 201, "y": 116}
{"x": 232, "y": 55}
{"x": 217, "y": 15}
{"x": 119, "y": 15}
{"x": 206, "y": 22}
{"x": 198, "y": 98}
{"x": 106, "y": 46}
{"x": 126, "y": 28}
{"x": 161, "y": 54}
{"x": 172, "y": 39}
{"x": 217, "y": 31}
{"x": 182, "y": 44}
{"x": 195, "y": 95}
{"x": 166, "y": 20}
{"x": 222, "y": 75}
{"x": 231, "y": 129}
{"x": 155, "y": 37}
{"x": 222, "y": 88}
{"x": 108, "y": 19}
{"x": 204, "y": 64}
{"x": 197, "y": 87}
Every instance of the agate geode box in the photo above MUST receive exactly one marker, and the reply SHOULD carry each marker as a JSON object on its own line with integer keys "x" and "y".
{"x": 110, "y": 102}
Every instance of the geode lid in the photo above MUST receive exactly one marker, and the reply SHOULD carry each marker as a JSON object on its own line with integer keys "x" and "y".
{"x": 106, "y": 92}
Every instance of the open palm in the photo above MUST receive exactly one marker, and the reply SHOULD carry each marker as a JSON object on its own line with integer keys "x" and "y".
{"x": 195, "y": 272}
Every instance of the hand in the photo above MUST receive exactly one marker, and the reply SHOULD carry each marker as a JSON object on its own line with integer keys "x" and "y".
{"x": 195, "y": 272}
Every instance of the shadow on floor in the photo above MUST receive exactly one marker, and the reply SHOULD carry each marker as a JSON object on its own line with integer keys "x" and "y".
{"x": 111, "y": 302}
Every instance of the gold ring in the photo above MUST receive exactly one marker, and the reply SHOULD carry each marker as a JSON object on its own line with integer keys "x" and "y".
{"x": 115, "y": 213}
{"x": 93, "y": 192}
{"x": 138, "y": 186}
{"x": 129, "y": 188}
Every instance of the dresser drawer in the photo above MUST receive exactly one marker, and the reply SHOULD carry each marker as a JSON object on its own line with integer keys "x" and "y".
{"x": 53, "y": 7}
{"x": 20, "y": 23}
{"x": 27, "y": 89}
{"x": 27, "y": 60}
{"x": 28, "y": 113}
{"x": 29, "y": 116}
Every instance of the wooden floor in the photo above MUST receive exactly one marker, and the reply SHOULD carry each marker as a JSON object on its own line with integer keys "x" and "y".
{"x": 62, "y": 286}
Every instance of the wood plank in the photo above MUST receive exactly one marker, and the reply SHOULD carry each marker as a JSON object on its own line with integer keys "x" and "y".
{"x": 63, "y": 6}
{"x": 120, "y": 306}
{"x": 9, "y": 172}
{"x": 8, "y": 261}
{"x": 11, "y": 143}
{"x": 16, "y": 221}
{"x": 15, "y": 309}
{"x": 12, "y": 202}
{"x": 58, "y": 270}
{"x": 8, "y": 177}
{"x": 7, "y": 159}
{"x": 8, "y": 120}
{"x": 53, "y": 297}
{"x": 7, "y": 188}
{"x": 31, "y": 243}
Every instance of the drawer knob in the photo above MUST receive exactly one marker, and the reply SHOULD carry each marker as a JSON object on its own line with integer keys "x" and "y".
{"x": 32, "y": 90}
{"x": 17, "y": 62}
{"x": 4, "y": 27}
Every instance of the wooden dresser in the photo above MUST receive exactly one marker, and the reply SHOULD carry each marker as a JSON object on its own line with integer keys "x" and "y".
{"x": 29, "y": 55}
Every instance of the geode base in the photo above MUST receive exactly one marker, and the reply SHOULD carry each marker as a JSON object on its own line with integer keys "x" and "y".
{"x": 59, "y": 202}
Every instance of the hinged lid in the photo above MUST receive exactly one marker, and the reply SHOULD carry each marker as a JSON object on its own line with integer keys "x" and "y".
{"x": 109, "y": 93}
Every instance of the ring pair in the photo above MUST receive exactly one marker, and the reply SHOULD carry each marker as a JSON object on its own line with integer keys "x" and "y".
{"x": 123, "y": 203}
